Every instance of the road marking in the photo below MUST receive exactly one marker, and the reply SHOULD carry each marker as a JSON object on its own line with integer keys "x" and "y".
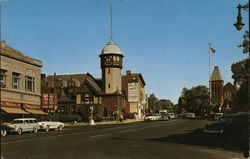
{"x": 147, "y": 127}
{"x": 123, "y": 131}
{"x": 100, "y": 135}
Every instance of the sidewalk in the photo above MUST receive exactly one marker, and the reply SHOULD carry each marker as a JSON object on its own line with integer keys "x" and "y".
{"x": 104, "y": 122}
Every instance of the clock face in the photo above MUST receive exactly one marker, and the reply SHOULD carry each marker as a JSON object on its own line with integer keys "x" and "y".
{"x": 108, "y": 61}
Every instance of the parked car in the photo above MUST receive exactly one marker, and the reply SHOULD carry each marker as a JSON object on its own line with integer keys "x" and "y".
{"x": 21, "y": 125}
{"x": 153, "y": 117}
{"x": 231, "y": 124}
{"x": 48, "y": 125}
{"x": 188, "y": 115}
{"x": 5, "y": 129}
{"x": 216, "y": 116}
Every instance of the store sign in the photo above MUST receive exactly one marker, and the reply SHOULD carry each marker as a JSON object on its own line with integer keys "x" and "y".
{"x": 132, "y": 92}
{"x": 49, "y": 99}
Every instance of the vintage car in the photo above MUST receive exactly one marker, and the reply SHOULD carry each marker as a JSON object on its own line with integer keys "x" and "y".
{"x": 5, "y": 129}
{"x": 188, "y": 116}
{"x": 230, "y": 124}
{"x": 24, "y": 125}
{"x": 48, "y": 125}
{"x": 153, "y": 117}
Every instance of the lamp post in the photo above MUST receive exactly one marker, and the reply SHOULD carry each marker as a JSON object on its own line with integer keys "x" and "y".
{"x": 239, "y": 25}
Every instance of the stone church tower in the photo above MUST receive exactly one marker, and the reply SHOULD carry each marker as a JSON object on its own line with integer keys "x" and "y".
{"x": 111, "y": 65}
{"x": 217, "y": 85}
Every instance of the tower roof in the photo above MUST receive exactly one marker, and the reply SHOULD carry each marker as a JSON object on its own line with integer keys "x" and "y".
{"x": 111, "y": 48}
{"x": 216, "y": 75}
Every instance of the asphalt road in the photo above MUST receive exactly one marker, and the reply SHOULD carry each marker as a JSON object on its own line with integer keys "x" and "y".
{"x": 177, "y": 139}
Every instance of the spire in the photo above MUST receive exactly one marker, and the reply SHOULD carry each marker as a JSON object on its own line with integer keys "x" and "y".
{"x": 216, "y": 75}
{"x": 110, "y": 12}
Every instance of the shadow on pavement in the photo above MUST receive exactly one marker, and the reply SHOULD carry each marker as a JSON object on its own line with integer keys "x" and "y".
{"x": 198, "y": 138}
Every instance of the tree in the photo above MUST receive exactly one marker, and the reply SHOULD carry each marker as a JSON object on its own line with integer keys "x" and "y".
{"x": 156, "y": 104}
{"x": 165, "y": 104}
{"x": 245, "y": 43}
{"x": 240, "y": 76}
{"x": 195, "y": 99}
{"x": 152, "y": 103}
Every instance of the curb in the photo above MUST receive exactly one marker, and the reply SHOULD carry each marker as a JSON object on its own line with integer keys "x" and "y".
{"x": 102, "y": 123}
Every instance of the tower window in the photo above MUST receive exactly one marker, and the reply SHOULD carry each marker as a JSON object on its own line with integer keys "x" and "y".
{"x": 109, "y": 71}
{"x": 109, "y": 85}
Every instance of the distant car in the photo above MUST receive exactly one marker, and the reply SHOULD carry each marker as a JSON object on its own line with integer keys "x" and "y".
{"x": 48, "y": 125}
{"x": 21, "y": 125}
{"x": 5, "y": 129}
{"x": 173, "y": 115}
{"x": 153, "y": 117}
{"x": 188, "y": 115}
{"x": 231, "y": 124}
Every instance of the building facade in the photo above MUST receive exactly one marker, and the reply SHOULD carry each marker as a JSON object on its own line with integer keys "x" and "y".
{"x": 133, "y": 86}
{"x": 20, "y": 83}
{"x": 222, "y": 95}
{"x": 72, "y": 92}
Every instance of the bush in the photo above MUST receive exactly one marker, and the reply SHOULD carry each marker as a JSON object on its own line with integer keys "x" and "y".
{"x": 98, "y": 118}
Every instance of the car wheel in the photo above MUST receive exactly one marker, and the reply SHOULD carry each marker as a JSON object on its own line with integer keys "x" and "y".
{"x": 35, "y": 130}
{"x": 47, "y": 129}
{"x": 3, "y": 132}
{"x": 60, "y": 128}
{"x": 19, "y": 131}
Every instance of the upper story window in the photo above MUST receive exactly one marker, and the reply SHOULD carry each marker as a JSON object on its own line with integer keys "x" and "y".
{"x": 29, "y": 84}
{"x": 15, "y": 80}
{"x": 3, "y": 77}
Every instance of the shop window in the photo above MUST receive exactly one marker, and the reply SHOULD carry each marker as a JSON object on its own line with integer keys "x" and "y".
{"x": 15, "y": 80}
{"x": 3, "y": 77}
{"x": 29, "y": 84}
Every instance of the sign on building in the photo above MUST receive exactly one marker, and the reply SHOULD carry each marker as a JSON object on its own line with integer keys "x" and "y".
{"x": 132, "y": 92}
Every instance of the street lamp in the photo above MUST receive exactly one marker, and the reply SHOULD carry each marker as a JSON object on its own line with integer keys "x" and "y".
{"x": 239, "y": 25}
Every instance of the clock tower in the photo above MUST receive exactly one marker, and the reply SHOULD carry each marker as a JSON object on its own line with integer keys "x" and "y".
{"x": 111, "y": 65}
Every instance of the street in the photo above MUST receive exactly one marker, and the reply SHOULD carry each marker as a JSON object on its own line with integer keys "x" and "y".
{"x": 176, "y": 139}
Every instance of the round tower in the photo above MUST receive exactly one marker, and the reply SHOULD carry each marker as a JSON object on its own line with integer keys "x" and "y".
{"x": 111, "y": 65}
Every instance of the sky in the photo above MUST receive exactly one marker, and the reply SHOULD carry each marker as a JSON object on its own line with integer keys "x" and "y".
{"x": 164, "y": 40}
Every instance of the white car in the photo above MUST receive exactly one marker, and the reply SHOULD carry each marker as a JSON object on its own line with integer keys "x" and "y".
{"x": 154, "y": 117}
{"x": 48, "y": 125}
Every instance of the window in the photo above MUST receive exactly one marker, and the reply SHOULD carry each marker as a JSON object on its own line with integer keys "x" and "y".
{"x": 109, "y": 71}
{"x": 3, "y": 78}
{"x": 15, "y": 80}
{"x": 109, "y": 85}
{"x": 29, "y": 84}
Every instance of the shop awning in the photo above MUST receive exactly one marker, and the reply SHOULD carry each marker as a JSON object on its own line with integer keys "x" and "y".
{"x": 13, "y": 110}
{"x": 34, "y": 111}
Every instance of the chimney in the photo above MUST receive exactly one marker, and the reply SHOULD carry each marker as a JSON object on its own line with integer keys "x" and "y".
{"x": 43, "y": 76}
{"x": 128, "y": 72}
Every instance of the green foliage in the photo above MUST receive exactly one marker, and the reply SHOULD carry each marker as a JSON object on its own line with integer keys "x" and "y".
{"x": 245, "y": 43}
{"x": 195, "y": 99}
{"x": 239, "y": 71}
{"x": 156, "y": 104}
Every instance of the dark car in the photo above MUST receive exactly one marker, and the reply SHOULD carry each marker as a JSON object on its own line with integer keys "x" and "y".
{"x": 230, "y": 124}
{"x": 5, "y": 129}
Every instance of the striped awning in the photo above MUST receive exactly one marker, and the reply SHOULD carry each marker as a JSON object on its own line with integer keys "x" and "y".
{"x": 35, "y": 111}
{"x": 14, "y": 110}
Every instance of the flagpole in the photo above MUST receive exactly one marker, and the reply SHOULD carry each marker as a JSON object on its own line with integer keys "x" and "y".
{"x": 209, "y": 76}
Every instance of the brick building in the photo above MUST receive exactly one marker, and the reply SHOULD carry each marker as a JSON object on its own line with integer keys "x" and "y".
{"x": 133, "y": 86}
{"x": 222, "y": 95}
